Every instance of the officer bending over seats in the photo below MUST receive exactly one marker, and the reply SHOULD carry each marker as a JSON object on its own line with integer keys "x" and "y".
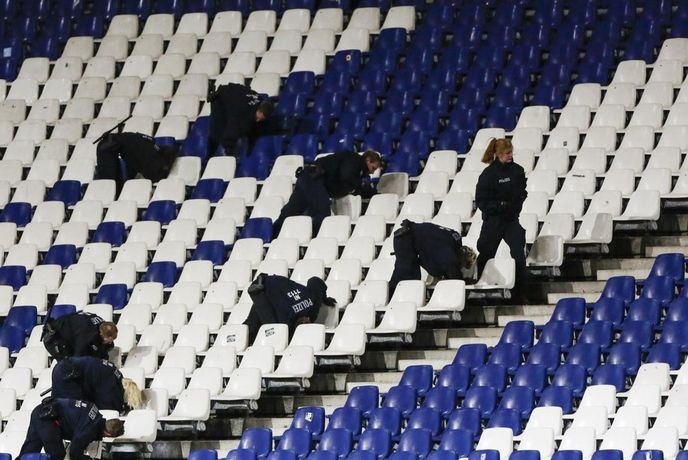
{"x": 96, "y": 380}
{"x": 140, "y": 154}
{"x": 330, "y": 176}
{"x": 57, "y": 419}
{"x": 277, "y": 299}
{"x": 499, "y": 194}
{"x": 435, "y": 248}
{"x": 79, "y": 334}
{"x": 236, "y": 111}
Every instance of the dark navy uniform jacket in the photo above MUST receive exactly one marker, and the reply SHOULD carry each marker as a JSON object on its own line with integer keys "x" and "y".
{"x": 80, "y": 422}
{"x": 438, "y": 249}
{"x": 99, "y": 381}
{"x": 82, "y": 332}
{"x": 501, "y": 190}
{"x": 140, "y": 155}
{"x": 343, "y": 173}
{"x": 291, "y": 300}
{"x": 234, "y": 107}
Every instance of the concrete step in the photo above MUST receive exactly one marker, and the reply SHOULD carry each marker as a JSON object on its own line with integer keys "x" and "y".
{"x": 538, "y": 313}
{"x": 436, "y": 358}
{"x": 590, "y": 297}
{"x": 654, "y": 251}
{"x": 604, "y": 275}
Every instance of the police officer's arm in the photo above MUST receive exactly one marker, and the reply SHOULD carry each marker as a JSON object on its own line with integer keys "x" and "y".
{"x": 349, "y": 176}
{"x": 83, "y": 436}
{"x": 485, "y": 196}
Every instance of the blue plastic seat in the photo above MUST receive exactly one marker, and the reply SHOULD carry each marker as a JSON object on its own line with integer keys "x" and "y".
{"x": 142, "y": 8}
{"x": 571, "y": 376}
{"x": 19, "y": 213}
{"x": 360, "y": 455}
{"x": 646, "y": 454}
{"x": 399, "y": 455}
{"x": 380, "y": 142}
{"x": 112, "y": 294}
{"x": 408, "y": 79}
{"x": 571, "y": 309}
{"x": 637, "y": 332}
{"x": 622, "y": 287}
{"x": 454, "y": 376}
{"x": 607, "y": 454}
{"x": 257, "y": 439}
{"x": 61, "y": 310}
{"x": 672, "y": 265}
{"x": 557, "y": 332}
{"x": 352, "y": 124}
{"x": 297, "y": 440}
{"x": 209, "y": 189}
{"x": 643, "y": 309}
{"x": 419, "y": 377}
{"x": 482, "y": 398}
{"x": 506, "y": 354}
{"x": 12, "y": 338}
{"x": 414, "y": 143}
{"x": 506, "y": 418}
{"x": 322, "y": 455}
{"x": 346, "y": 61}
{"x": 274, "y": 5}
{"x": 419, "y": 59}
{"x": 426, "y": 418}
{"x": 471, "y": 355}
{"x": 13, "y": 275}
{"x": 436, "y": 100}
{"x": 362, "y": 101}
{"x": 63, "y": 255}
{"x": 241, "y": 454}
{"x": 328, "y": 103}
{"x": 212, "y": 250}
{"x": 337, "y": 441}
{"x": 407, "y": 163}
{"x": 363, "y": 397}
{"x": 291, "y": 104}
{"x": 502, "y": 117}
{"x": 453, "y": 139}
{"x": 203, "y": 454}
{"x": 458, "y": 441}
{"x": 610, "y": 374}
{"x": 24, "y": 318}
{"x": 310, "y": 418}
{"x": 161, "y": 272}
{"x": 305, "y": 145}
{"x": 382, "y": 59}
{"x": 387, "y": 122}
{"x": 385, "y": 418}
{"x": 402, "y": 101}
{"x": 525, "y": 455}
{"x": 373, "y": 80}
{"x": 348, "y": 418}
{"x": 163, "y": 211}
{"x": 586, "y": 355}
{"x": 521, "y": 399}
{"x": 442, "y": 455}
{"x": 257, "y": 227}
{"x": 608, "y": 309}
{"x": 424, "y": 120}
{"x": 519, "y": 333}
{"x": 465, "y": 418}
{"x": 91, "y": 25}
{"x": 377, "y": 441}
{"x": 677, "y": 309}
{"x": 442, "y": 399}
{"x": 283, "y": 455}
{"x": 567, "y": 455}
{"x": 113, "y": 233}
{"x": 484, "y": 454}
{"x": 660, "y": 288}
{"x": 532, "y": 376}
{"x": 439, "y": 16}
{"x": 665, "y": 353}
{"x": 626, "y": 355}
{"x": 557, "y": 396}
{"x": 66, "y": 191}
{"x": 675, "y": 332}
{"x": 596, "y": 332}
{"x": 510, "y": 96}
{"x": 316, "y": 125}
{"x": 174, "y": 7}
{"x": 491, "y": 375}
{"x": 492, "y": 58}
{"x": 299, "y": 82}
{"x": 415, "y": 440}
{"x": 402, "y": 398}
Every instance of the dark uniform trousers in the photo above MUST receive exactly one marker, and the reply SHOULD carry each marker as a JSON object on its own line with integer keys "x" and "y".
{"x": 309, "y": 198}
{"x": 407, "y": 264}
{"x": 44, "y": 434}
{"x": 494, "y": 230}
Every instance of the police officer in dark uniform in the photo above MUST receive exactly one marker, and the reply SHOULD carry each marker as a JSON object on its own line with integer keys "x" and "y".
{"x": 235, "y": 112}
{"x": 277, "y": 299}
{"x": 95, "y": 380}
{"x": 140, "y": 155}
{"x": 499, "y": 194}
{"x": 56, "y": 420}
{"x": 435, "y": 248}
{"x": 79, "y": 334}
{"x": 330, "y": 176}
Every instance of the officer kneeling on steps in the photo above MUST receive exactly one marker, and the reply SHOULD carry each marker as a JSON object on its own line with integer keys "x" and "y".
{"x": 277, "y": 299}
{"x": 96, "y": 380}
{"x": 79, "y": 334}
{"x": 140, "y": 155}
{"x": 435, "y": 248}
{"x": 499, "y": 194}
{"x": 56, "y": 420}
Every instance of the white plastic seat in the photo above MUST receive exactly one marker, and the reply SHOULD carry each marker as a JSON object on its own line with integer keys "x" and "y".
{"x": 158, "y": 337}
{"x": 647, "y": 114}
{"x": 623, "y": 439}
{"x": 574, "y": 117}
{"x": 115, "y": 46}
{"x": 243, "y": 384}
{"x": 13, "y": 110}
{"x": 354, "y": 39}
{"x": 328, "y": 18}
{"x": 261, "y": 20}
{"x": 610, "y": 115}
{"x": 136, "y": 315}
{"x": 658, "y": 179}
{"x": 98, "y": 254}
{"x": 632, "y": 71}
{"x": 591, "y": 416}
{"x": 209, "y": 378}
{"x": 583, "y": 180}
{"x": 179, "y": 356}
{"x": 18, "y": 379}
{"x": 35, "y": 295}
{"x": 185, "y": 44}
{"x": 646, "y": 395}
{"x": 124, "y": 24}
{"x": 73, "y": 294}
{"x": 658, "y": 93}
{"x": 538, "y": 439}
{"x": 588, "y": 94}
{"x": 544, "y": 180}
{"x": 162, "y": 24}
{"x": 187, "y": 292}
{"x": 24, "y": 89}
{"x": 289, "y": 40}
{"x": 664, "y": 158}
{"x": 670, "y": 71}
{"x": 580, "y": 438}
{"x": 348, "y": 340}
{"x": 195, "y": 23}
{"x": 600, "y": 395}
{"x": 322, "y": 248}
{"x": 672, "y": 417}
{"x": 346, "y": 269}
{"x": 555, "y": 159}
{"x": 546, "y": 417}
{"x": 73, "y": 232}
{"x": 120, "y": 273}
{"x": 252, "y": 41}
{"x": 53, "y": 149}
{"x": 500, "y": 439}
{"x": 192, "y": 404}
{"x": 400, "y": 16}
{"x": 68, "y": 68}
{"x": 380, "y": 269}
{"x": 173, "y": 65}
{"x": 312, "y": 60}
{"x": 634, "y": 417}
{"x": 29, "y": 191}
{"x": 149, "y": 293}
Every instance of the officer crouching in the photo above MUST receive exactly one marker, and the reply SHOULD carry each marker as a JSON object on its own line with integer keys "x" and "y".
{"x": 79, "y": 334}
